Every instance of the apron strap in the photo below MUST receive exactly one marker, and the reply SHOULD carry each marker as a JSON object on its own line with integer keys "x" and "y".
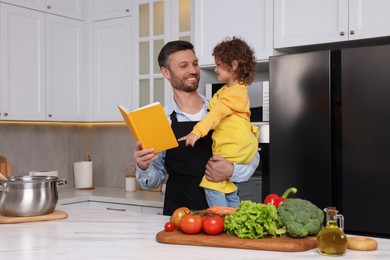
{"x": 173, "y": 116}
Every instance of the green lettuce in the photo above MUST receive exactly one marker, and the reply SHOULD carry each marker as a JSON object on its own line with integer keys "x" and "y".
{"x": 253, "y": 220}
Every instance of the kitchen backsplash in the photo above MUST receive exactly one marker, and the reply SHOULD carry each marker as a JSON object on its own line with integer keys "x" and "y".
{"x": 56, "y": 147}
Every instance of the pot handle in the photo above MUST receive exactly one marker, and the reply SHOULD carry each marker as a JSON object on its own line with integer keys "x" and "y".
{"x": 61, "y": 182}
{"x": 3, "y": 186}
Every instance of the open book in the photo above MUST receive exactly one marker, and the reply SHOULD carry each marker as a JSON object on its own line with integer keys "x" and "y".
{"x": 149, "y": 124}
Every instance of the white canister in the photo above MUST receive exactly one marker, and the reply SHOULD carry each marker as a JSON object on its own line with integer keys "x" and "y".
{"x": 130, "y": 184}
{"x": 83, "y": 175}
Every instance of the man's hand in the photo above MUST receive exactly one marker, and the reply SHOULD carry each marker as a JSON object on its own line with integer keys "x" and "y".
{"x": 218, "y": 169}
{"x": 144, "y": 157}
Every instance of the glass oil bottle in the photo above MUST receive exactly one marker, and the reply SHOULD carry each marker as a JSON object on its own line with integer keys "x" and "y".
{"x": 331, "y": 240}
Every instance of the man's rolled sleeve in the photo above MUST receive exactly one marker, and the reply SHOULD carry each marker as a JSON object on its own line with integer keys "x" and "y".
{"x": 242, "y": 172}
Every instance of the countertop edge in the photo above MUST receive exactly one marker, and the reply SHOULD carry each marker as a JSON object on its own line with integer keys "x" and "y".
{"x": 111, "y": 195}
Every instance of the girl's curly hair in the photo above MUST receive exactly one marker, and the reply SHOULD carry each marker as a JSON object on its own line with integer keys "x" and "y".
{"x": 236, "y": 49}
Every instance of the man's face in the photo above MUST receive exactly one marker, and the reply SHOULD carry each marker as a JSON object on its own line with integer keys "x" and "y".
{"x": 183, "y": 71}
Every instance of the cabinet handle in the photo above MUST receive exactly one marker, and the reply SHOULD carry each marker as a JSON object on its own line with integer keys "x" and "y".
{"x": 48, "y": 7}
{"x": 6, "y": 114}
{"x": 116, "y": 209}
{"x": 342, "y": 33}
{"x": 352, "y": 32}
{"x": 127, "y": 10}
{"x": 49, "y": 115}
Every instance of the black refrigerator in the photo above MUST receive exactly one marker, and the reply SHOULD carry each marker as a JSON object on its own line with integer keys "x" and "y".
{"x": 330, "y": 132}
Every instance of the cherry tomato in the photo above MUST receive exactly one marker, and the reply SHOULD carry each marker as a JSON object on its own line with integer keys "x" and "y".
{"x": 178, "y": 214}
{"x": 169, "y": 227}
{"x": 191, "y": 224}
{"x": 213, "y": 225}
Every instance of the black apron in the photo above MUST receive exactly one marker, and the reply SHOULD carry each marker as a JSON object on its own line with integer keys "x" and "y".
{"x": 186, "y": 166}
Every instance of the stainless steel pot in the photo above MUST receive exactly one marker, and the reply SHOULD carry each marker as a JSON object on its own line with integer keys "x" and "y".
{"x": 26, "y": 196}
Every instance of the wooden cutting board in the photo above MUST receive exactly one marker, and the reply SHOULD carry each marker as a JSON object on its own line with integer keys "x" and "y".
{"x": 285, "y": 244}
{"x": 5, "y": 167}
{"x": 57, "y": 214}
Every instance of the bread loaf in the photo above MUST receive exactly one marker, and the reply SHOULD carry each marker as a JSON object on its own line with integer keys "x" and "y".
{"x": 362, "y": 243}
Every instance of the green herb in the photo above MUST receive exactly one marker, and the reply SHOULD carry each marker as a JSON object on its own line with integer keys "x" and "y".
{"x": 253, "y": 220}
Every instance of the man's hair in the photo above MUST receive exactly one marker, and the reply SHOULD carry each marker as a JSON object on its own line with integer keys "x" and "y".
{"x": 172, "y": 47}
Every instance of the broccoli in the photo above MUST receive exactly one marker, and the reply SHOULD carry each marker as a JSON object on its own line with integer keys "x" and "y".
{"x": 300, "y": 217}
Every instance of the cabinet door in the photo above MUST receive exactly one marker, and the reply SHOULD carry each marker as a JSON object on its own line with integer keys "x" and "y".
{"x": 66, "y": 94}
{"x": 306, "y": 22}
{"x": 115, "y": 206}
{"x": 33, "y": 4}
{"x": 249, "y": 19}
{"x": 107, "y": 9}
{"x": 151, "y": 210}
{"x": 22, "y": 63}
{"x": 105, "y": 205}
{"x": 369, "y": 19}
{"x": 69, "y": 8}
{"x": 112, "y": 68}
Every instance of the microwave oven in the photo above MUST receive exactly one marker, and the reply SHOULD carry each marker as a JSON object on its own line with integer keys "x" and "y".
{"x": 258, "y": 95}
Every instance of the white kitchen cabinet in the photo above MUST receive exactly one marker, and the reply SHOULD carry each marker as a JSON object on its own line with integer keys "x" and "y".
{"x": 369, "y": 19}
{"x": 66, "y": 94}
{"x": 151, "y": 210}
{"x": 308, "y": 22}
{"x": 41, "y": 66}
{"x": 249, "y": 19}
{"x": 111, "y": 68}
{"x": 108, "y": 9}
{"x": 32, "y": 4}
{"x": 115, "y": 207}
{"x": 68, "y": 8}
{"x": 22, "y": 51}
{"x": 105, "y": 205}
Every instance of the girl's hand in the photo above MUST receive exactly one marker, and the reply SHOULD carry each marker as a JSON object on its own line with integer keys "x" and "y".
{"x": 190, "y": 139}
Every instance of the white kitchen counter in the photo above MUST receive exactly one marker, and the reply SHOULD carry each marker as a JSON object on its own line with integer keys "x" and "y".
{"x": 111, "y": 195}
{"x": 102, "y": 234}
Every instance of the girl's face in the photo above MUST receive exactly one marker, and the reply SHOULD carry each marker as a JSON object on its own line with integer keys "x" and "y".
{"x": 223, "y": 72}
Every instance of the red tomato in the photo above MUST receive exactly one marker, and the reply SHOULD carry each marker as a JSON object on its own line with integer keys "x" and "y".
{"x": 213, "y": 225}
{"x": 191, "y": 224}
{"x": 169, "y": 227}
{"x": 178, "y": 214}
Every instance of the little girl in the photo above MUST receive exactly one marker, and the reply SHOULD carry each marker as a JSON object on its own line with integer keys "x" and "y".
{"x": 234, "y": 138}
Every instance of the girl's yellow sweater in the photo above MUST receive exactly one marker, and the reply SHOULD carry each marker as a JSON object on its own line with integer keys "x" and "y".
{"x": 234, "y": 137}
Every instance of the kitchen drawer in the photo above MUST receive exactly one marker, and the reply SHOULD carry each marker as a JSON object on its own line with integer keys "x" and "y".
{"x": 105, "y": 205}
{"x": 116, "y": 207}
{"x": 152, "y": 210}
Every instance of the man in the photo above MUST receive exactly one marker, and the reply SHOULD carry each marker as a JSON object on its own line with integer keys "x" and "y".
{"x": 185, "y": 165}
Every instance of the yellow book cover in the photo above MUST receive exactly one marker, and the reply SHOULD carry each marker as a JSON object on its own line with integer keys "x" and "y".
{"x": 150, "y": 125}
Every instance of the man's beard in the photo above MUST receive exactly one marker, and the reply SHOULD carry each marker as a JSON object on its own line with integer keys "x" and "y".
{"x": 180, "y": 84}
